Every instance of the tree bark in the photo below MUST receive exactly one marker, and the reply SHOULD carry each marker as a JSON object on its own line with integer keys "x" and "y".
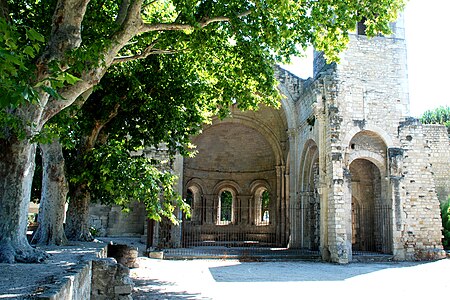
{"x": 77, "y": 218}
{"x": 53, "y": 196}
{"x": 16, "y": 175}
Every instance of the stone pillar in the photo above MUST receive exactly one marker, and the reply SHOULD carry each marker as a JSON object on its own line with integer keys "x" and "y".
{"x": 176, "y": 230}
{"x": 287, "y": 207}
{"x": 244, "y": 209}
{"x": 278, "y": 210}
{"x": 210, "y": 209}
{"x": 346, "y": 214}
{"x": 283, "y": 205}
{"x": 397, "y": 192}
{"x": 292, "y": 190}
{"x": 324, "y": 167}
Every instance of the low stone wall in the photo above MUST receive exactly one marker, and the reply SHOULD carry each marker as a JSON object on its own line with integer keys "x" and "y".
{"x": 110, "y": 280}
{"x": 70, "y": 287}
{"x": 77, "y": 272}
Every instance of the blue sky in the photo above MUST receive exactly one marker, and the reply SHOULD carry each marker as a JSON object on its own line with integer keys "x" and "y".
{"x": 428, "y": 42}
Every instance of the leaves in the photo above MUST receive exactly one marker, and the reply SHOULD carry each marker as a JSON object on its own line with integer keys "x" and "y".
{"x": 440, "y": 115}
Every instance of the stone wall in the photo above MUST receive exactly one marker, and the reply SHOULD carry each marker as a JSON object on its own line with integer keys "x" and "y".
{"x": 112, "y": 221}
{"x": 420, "y": 230}
{"x": 110, "y": 280}
{"x": 438, "y": 141}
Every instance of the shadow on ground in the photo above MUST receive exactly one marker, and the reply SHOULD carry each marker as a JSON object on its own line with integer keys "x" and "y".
{"x": 298, "y": 271}
{"x": 154, "y": 289}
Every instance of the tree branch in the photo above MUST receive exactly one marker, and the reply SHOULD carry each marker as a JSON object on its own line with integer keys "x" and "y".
{"x": 66, "y": 28}
{"x": 99, "y": 125}
{"x": 149, "y": 50}
{"x": 176, "y": 26}
{"x": 122, "y": 14}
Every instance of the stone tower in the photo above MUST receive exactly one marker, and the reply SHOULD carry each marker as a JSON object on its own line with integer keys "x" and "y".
{"x": 376, "y": 186}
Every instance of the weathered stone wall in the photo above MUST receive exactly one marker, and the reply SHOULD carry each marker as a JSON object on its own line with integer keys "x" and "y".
{"x": 112, "y": 221}
{"x": 359, "y": 105}
{"x": 372, "y": 85}
{"x": 110, "y": 280}
{"x": 420, "y": 229}
{"x": 438, "y": 140}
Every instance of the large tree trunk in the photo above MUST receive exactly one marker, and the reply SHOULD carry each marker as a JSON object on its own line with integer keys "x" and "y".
{"x": 77, "y": 219}
{"x": 53, "y": 196}
{"x": 17, "y": 155}
{"x": 16, "y": 175}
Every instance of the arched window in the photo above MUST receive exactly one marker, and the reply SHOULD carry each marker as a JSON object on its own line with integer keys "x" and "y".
{"x": 225, "y": 209}
{"x": 265, "y": 205}
{"x": 190, "y": 201}
{"x": 262, "y": 206}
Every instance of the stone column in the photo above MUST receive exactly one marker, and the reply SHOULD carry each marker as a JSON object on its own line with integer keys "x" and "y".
{"x": 244, "y": 209}
{"x": 395, "y": 156}
{"x": 283, "y": 204}
{"x": 210, "y": 209}
{"x": 176, "y": 230}
{"x": 287, "y": 207}
{"x": 292, "y": 189}
{"x": 324, "y": 168}
{"x": 278, "y": 208}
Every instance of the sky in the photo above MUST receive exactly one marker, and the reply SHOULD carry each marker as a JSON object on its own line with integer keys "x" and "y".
{"x": 428, "y": 43}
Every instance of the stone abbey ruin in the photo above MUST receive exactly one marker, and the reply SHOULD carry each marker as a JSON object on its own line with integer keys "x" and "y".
{"x": 340, "y": 168}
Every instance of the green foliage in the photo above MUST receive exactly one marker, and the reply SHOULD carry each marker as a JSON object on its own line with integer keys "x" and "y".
{"x": 119, "y": 177}
{"x": 440, "y": 115}
{"x": 226, "y": 206}
{"x": 445, "y": 213}
{"x": 18, "y": 46}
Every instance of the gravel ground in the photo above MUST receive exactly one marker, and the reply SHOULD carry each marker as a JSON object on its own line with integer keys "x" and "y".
{"x": 230, "y": 279}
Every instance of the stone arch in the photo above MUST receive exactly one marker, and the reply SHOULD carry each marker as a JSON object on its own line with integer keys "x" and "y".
{"x": 307, "y": 211}
{"x": 227, "y": 184}
{"x": 366, "y": 159}
{"x": 235, "y": 190}
{"x": 368, "y": 145}
{"x": 232, "y": 154}
{"x": 369, "y": 128}
{"x": 195, "y": 185}
{"x": 370, "y": 214}
{"x": 374, "y": 158}
{"x": 258, "y": 126}
{"x": 288, "y": 106}
{"x": 257, "y": 188}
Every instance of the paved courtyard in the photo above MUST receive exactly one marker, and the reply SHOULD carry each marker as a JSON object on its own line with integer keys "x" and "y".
{"x": 231, "y": 279}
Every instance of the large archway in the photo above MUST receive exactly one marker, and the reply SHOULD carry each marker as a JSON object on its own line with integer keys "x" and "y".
{"x": 371, "y": 212}
{"x": 240, "y": 162}
{"x": 306, "y": 221}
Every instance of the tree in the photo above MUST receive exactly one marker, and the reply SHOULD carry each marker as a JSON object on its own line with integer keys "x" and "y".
{"x": 440, "y": 115}
{"x": 52, "y": 201}
{"x": 83, "y": 43}
{"x": 142, "y": 111}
